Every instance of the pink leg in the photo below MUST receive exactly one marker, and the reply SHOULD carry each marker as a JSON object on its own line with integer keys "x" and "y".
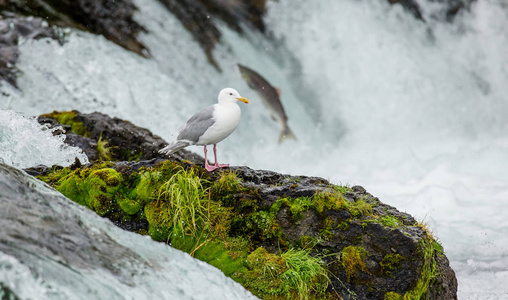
{"x": 217, "y": 165}
{"x": 207, "y": 166}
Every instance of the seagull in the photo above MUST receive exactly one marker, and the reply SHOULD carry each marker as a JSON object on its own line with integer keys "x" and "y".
{"x": 210, "y": 125}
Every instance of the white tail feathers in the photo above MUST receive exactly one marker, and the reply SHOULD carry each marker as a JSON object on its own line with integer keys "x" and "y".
{"x": 174, "y": 146}
{"x": 285, "y": 134}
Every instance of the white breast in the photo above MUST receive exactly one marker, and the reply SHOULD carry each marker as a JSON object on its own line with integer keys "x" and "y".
{"x": 227, "y": 117}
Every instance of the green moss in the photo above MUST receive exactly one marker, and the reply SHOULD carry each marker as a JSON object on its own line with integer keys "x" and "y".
{"x": 103, "y": 151}
{"x": 69, "y": 118}
{"x": 105, "y": 190}
{"x": 70, "y": 185}
{"x": 352, "y": 260}
{"x": 390, "y": 221}
{"x": 343, "y": 225}
{"x": 360, "y": 208}
{"x": 231, "y": 261}
{"x": 264, "y": 275}
{"x": 430, "y": 248}
{"x": 129, "y": 206}
{"x": 296, "y": 207}
{"x": 326, "y": 234}
{"x": 258, "y": 225}
{"x": 392, "y": 296}
{"x": 95, "y": 189}
{"x": 144, "y": 186}
{"x": 227, "y": 183}
{"x": 159, "y": 220}
{"x": 328, "y": 200}
{"x": 55, "y": 175}
{"x": 325, "y": 229}
{"x": 391, "y": 262}
{"x": 266, "y": 223}
{"x": 134, "y": 155}
{"x": 306, "y": 242}
{"x": 102, "y": 186}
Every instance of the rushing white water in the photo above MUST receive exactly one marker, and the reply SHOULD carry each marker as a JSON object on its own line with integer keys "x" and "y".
{"x": 25, "y": 143}
{"x": 415, "y": 112}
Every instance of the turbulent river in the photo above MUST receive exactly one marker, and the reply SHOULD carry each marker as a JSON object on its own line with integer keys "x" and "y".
{"x": 416, "y": 112}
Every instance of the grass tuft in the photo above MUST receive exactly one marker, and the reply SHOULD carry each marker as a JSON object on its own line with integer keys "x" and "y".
{"x": 186, "y": 202}
{"x": 305, "y": 274}
{"x": 294, "y": 273}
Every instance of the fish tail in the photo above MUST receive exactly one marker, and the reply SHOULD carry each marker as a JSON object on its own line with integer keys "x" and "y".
{"x": 286, "y": 133}
{"x": 174, "y": 146}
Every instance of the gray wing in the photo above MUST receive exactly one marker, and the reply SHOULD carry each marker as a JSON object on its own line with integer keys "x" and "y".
{"x": 197, "y": 125}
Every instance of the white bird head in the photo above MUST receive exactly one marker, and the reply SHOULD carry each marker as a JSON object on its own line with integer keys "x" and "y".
{"x": 229, "y": 95}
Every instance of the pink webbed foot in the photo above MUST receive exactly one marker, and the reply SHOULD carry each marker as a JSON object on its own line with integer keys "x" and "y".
{"x": 217, "y": 165}
{"x": 210, "y": 168}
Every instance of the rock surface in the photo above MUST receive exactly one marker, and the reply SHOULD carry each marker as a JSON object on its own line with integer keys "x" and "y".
{"x": 121, "y": 140}
{"x": 255, "y": 218}
{"x": 112, "y": 19}
{"x": 451, "y": 8}
{"x": 12, "y": 29}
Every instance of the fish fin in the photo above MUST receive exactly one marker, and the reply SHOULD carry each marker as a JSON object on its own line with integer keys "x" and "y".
{"x": 285, "y": 134}
{"x": 279, "y": 91}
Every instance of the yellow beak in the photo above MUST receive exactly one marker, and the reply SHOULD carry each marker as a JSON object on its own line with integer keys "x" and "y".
{"x": 244, "y": 100}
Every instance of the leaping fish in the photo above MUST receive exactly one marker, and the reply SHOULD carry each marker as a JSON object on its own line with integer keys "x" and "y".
{"x": 271, "y": 98}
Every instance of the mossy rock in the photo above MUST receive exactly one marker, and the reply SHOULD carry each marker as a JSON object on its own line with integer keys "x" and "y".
{"x": 103, "y": 138}
{"x": 347, "y": 241}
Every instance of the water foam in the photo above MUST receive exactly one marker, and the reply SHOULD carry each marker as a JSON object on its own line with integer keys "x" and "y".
{"x": 25, "y": 143}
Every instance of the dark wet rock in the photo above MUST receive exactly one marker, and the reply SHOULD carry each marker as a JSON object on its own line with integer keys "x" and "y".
{"x": 236, "y": 13}
{"x": 112, "y": 19}
{"x": 411, "y": 6}
{"x": 194, "y": 17}
{"x": 444, "y": 287}
{"x": 122, "y": 140}
{"x": 12, "y": 29}
{"x": 450, "y": 8}
{"x": 401, "y": 238}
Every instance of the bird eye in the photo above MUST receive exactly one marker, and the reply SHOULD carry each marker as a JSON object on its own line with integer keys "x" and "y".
{"x": 231, "y": 94}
